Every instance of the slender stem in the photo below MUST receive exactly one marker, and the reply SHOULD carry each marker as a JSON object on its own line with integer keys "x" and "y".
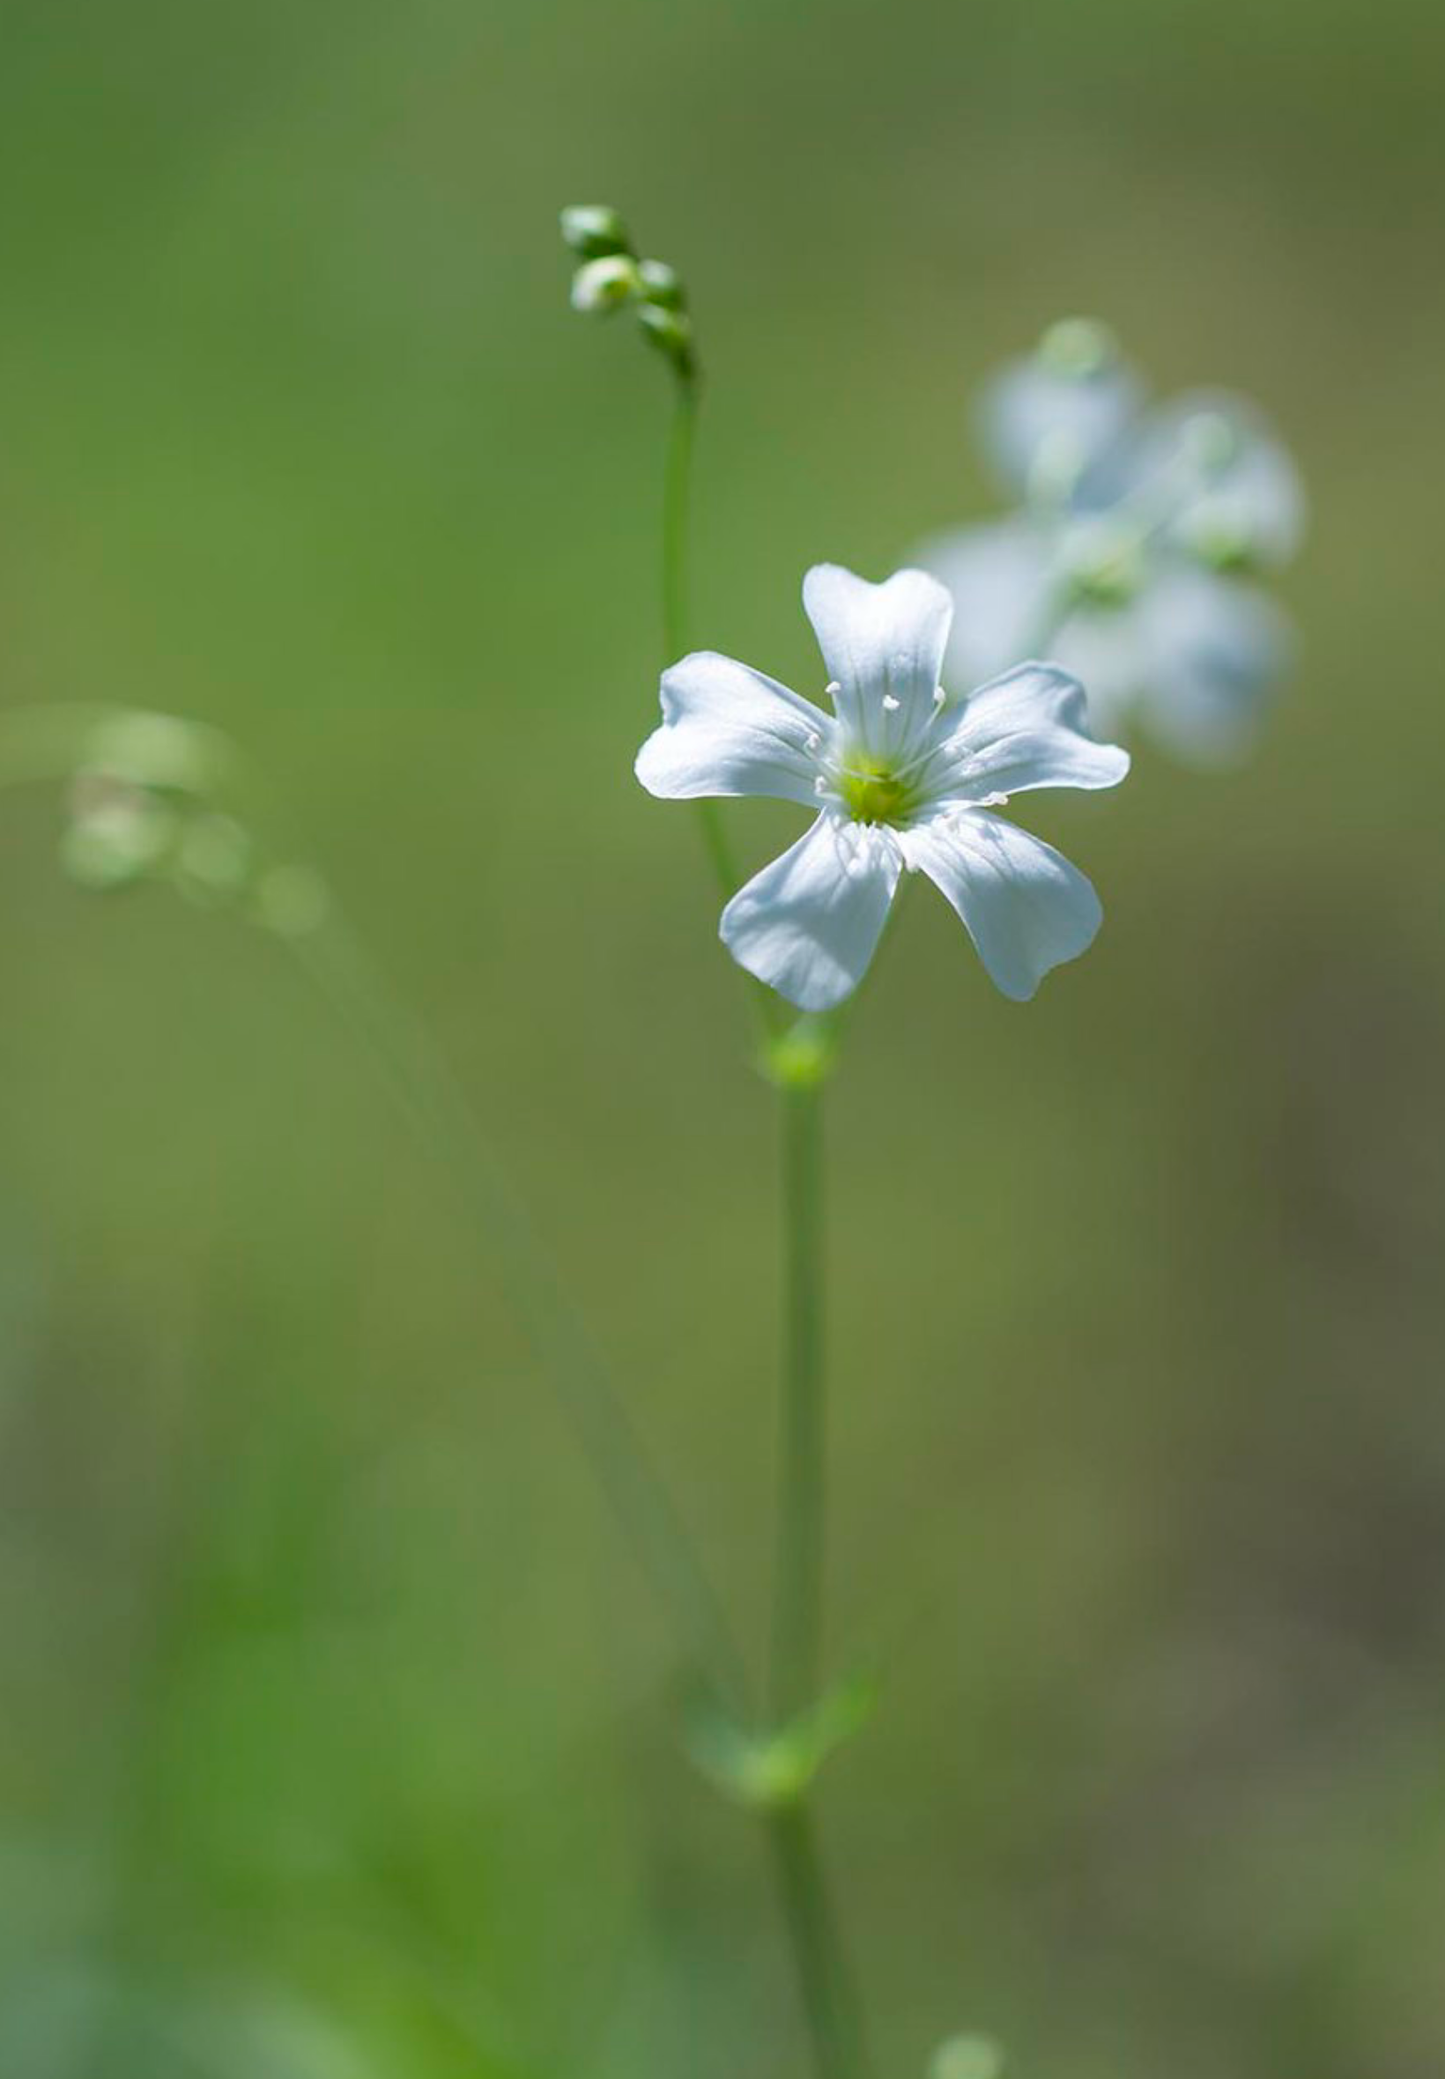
{"x": 676, "y": 506}
{"x": 802, "y": 1440}
{"x": 44, "y": 743}
{"x": 1054, "y": 611}
{"x": 445, "y": 1124}
{"x": 823, "y": 1980}
{"x": 829, "y": 2001}
{"x": 676, "y": 502}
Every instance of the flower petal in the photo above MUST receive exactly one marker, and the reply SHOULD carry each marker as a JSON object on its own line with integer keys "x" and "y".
{"x": 1028, "y": 728}
{"x": 809, "y": 922}
{"x": 1244, "y": 503}
{"x": 1000, "y": 577}
{"x": 883, "y": 645}
{"x": 727, "y": 729}
{"x": 1025, "y": 907}
{"x": 1214, "y": 650}
{"x": 1037, "y": 422}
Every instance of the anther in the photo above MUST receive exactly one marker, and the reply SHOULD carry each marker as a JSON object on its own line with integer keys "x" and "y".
{"x": 891, "y": 703}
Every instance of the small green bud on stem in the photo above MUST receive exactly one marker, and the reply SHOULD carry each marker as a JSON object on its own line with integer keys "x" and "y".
{"x": 670, "y": 331}
{"x": 1078, "y": 348}
{"x": 662, "y": 285}
{"x": 966, "y": 2057}
{"x": 604, "y": 285}
{"x": 594, "y": 232}
{"x": 611, "y": 275}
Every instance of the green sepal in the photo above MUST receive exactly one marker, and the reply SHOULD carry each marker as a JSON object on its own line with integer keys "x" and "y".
{"x": 766, "y": 1771}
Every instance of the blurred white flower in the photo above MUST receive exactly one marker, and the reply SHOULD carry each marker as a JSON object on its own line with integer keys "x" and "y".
{"x": 1133, "y": 556}
{"x": 901, "y": 777}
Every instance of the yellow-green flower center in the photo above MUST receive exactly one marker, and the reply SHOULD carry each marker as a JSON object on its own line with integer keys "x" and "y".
{"x": 873, "y": 792}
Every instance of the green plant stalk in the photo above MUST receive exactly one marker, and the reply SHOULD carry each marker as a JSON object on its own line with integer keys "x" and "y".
{"x": 830, "y": 2004}
{"x": 829, "y": 2007}
{"x": 44, "y": 743}
{"x": 447, "y": 1129}
{"x": 802, "y": 1435}
{"x": 676, "y": 502}
{"x": 829, "y": 2000}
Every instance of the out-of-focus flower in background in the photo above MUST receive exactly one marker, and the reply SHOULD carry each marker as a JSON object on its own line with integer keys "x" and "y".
{"x": 1136, "y": 552}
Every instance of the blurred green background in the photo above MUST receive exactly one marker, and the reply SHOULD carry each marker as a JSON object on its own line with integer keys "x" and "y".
{"x": 338, "y": 1734}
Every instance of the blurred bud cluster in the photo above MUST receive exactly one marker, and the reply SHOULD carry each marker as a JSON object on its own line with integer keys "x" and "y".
{"x": 610, "y": 275}
{"x": 1138, "y": 547}
{"x": 151, "y": 800}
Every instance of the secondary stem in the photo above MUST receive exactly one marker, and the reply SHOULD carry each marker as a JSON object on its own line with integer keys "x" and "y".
{"x": 676, "y": 496}
{"x": 829, "y": 2004}
{"x": 817, "y": 1951}
{"x": 827, "y": 1994}
{"x": 447, "y": 1128}
{"x": 803, "y": 1412}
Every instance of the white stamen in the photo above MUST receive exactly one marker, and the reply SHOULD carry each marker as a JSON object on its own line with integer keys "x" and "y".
{"x": 832, "y": 687}
{"x": 820, "y": 785}
{"x": 890, "y": 704}
{"x": 814, "y": 741}
{"x": 939, "y": 696}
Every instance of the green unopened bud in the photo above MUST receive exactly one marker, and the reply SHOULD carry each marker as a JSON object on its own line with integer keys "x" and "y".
{"x": 801, "y": 1056}
{"x": 766, "y": 1771}
{"x": 214, "y": 859}
{"x": 593, "y": 231}
{"x": 604, "y": 285}
{"x": 1210, "y": 442}
{"x": 1078, "y": 348}
{"x": 117, "y": 837}
{"x": 292, "y": 901}
{"x": 671, "y": 333}
{"x": 662, "y": 285}
{"x": 158, "y": 751}
{"x": 966, "y": 2057}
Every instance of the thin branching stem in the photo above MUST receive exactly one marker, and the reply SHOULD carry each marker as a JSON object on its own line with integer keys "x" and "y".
{"x": 802, "y": 1432}
{"x": 676, "y": 503}
{"x": 447, "y": 1128}
{"x": 829, "y": 1999}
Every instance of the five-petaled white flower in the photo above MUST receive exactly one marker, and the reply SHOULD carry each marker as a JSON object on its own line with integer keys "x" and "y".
{"x": 1133, "y": 552}
{"x": 901, "y": 777}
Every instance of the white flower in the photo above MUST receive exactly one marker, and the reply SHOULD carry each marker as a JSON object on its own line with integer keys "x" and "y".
{"x": 1132, "y": 557}
{"x": 902, "y": 779}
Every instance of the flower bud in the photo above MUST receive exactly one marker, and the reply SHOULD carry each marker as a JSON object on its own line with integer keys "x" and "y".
{"x": 966, "y": 2057}
{"x": 605, "y": 285}
{"x": 117, "y": 836}
{"x": 1078, "y": 348}
{"x": 662, "y": 285}
{"x": 671, "y": 333}
{"x": 214, "y": 859}
{"x": 162, "y": 752}
{"x": 292, "y": 901}
{"x": 593, "y": 231}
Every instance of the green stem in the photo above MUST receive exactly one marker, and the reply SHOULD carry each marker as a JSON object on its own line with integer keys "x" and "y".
{"x": 447, "y": 1128}
{"x": 834, "y": 2030}
{"x": 1054, "y": 611}
{"x": 45, "y": 743}
{"x": 829, "y": 2004}
{"x": 802, "y": 1441}
{"x": 676, "y": 500}
{"x": 676, "y": 508}
{"x": 676, "y": 504}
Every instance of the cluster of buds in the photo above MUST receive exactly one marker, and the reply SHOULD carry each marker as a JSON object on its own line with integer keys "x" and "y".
{"x": 610, "y": 275}
{"x": 149, "y": 803}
